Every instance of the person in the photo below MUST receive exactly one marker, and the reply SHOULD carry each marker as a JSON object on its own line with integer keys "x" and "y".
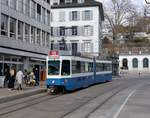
{"x": 139, "y": 74}
{"x": 12, "y": 78}
{"x": 32, "y": 79}
{"x": 26, "y": 76}
{"x": 36, "y": 73}
{"x": 7, "y": 77}
{"x": 19, "y": 78}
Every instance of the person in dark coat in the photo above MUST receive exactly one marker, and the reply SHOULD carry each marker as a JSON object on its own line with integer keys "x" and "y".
{"x": 12, "y": 79}
{"x": 36, "y": 73}
{"x": 7, "y": 77}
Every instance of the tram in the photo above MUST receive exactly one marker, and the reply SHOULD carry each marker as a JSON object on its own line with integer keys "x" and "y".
{"x": 68, "y": 73}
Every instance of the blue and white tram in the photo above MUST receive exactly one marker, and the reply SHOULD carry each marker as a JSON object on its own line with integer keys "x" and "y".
{"x": 70, "y": 72}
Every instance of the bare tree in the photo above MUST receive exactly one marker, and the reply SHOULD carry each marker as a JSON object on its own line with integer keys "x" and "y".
{"x": 119, "y": 13}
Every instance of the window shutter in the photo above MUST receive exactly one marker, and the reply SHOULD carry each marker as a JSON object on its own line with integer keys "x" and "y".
{"x": 78, "y": 15}
{"x": 83, "y": 15}
{"x": 70, "y": 15}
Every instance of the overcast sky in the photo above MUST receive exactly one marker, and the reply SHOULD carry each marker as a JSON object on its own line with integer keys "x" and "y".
{"x": 138, "y": 3}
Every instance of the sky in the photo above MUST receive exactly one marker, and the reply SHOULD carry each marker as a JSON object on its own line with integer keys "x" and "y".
{"x": 136, "y": 2}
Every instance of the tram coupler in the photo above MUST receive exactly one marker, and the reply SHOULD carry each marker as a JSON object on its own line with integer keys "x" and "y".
{"x": 52, "y": 90}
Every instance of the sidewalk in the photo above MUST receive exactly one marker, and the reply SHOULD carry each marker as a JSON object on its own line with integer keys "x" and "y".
{"x": 9, "y": 95}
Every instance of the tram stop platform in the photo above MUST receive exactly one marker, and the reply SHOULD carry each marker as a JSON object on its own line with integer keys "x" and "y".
{"x": 9, "y": 95}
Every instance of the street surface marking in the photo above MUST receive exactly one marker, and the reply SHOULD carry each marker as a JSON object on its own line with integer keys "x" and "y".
{"x": 118, "y": 112}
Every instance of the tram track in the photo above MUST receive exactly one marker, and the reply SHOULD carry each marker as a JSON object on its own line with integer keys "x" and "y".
{"x": 25, "y": 104}
{"x": 114, "y": 91}
{"x": 6, "y": 110}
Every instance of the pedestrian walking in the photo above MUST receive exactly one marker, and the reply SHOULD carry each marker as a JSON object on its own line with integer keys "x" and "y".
{"x": 139, "y": 74}
{"x": 19, "y": 78}
{"x": 12, "y": 78}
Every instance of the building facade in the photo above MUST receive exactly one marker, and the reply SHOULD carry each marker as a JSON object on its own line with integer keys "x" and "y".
{"x": 24, "y": 34}
{"x": 79, "y": 23}
{"x": 135, "y": 63}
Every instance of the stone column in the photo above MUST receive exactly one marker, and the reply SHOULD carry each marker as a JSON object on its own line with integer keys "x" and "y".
{"x": 25, "y": 63}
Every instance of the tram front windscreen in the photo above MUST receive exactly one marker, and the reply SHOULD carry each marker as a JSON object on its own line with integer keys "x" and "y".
{"x": 53, "y": 67}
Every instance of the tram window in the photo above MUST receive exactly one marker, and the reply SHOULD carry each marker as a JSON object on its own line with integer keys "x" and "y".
{"x": 65, "y": 68}
{"x": 99, "y": 67}
{"x": 76, "y": 67}
{"x": 86, "y": 67}
{"x": 82, "y": 67}
{"x": 90, "y": 68}
{"x": 53, "y": 67}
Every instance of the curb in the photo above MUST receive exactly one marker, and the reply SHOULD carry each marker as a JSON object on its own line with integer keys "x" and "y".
{"x": 8, "y": 98}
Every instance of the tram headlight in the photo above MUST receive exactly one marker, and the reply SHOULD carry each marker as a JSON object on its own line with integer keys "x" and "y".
{"x": 53, "y": 81}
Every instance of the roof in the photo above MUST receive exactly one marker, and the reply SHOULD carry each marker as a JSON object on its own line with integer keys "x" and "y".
{"x": 87, "y": 3}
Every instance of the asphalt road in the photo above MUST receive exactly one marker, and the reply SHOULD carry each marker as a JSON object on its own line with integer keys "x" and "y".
{"x": 121, "y": 98}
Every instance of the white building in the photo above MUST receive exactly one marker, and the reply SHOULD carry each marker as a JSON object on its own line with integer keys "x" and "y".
{"x": 78, "y": 22}
{"x": 134, "y": 62}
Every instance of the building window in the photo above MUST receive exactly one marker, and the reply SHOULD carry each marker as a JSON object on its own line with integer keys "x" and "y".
{"x": 12, "y": 28}
{"x": 87, "y": 47}
{"x": 33, "y": 9}
{"x": 33, "y": 35}
{"x": 20, "y": 30}
{"x": 38, "y": 12}
{"x": 68, "y": 1}
{"x": 55, "y": 2}
{"x": 52, "y": 31}
{"x": 61, "y": 16}
{"x": 125, "y": 64}
{"x": 145, "y": 63}
{"x": 4, "y": 2}
{"x": 20, "y": 6}
{"x": 62, "y": 31}
{"x": 48, "y": 1}
{"x": 87, "y": 15}
{"x": 38, "y": 36}
{"x": 80, "y": 1}
{"x": 47, "y": 39}
{"x": 88, "y": 30}
{"x": 27, "y": 33}
{"x": 13, "y": 4}
{"x": 48, "y": 17}
{"x": 4, "y": 25}
{"x": 43, "y": 38}
{"x": 74, "y": 30}
{"x": 27, "y": 7}
{"x": 74, "y": 16}
{"x": 43, "y": 15}
{"x": 135, "y": 63}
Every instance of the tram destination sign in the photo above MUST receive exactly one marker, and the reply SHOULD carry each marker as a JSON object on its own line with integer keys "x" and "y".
{"x": 54, "y": 54}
